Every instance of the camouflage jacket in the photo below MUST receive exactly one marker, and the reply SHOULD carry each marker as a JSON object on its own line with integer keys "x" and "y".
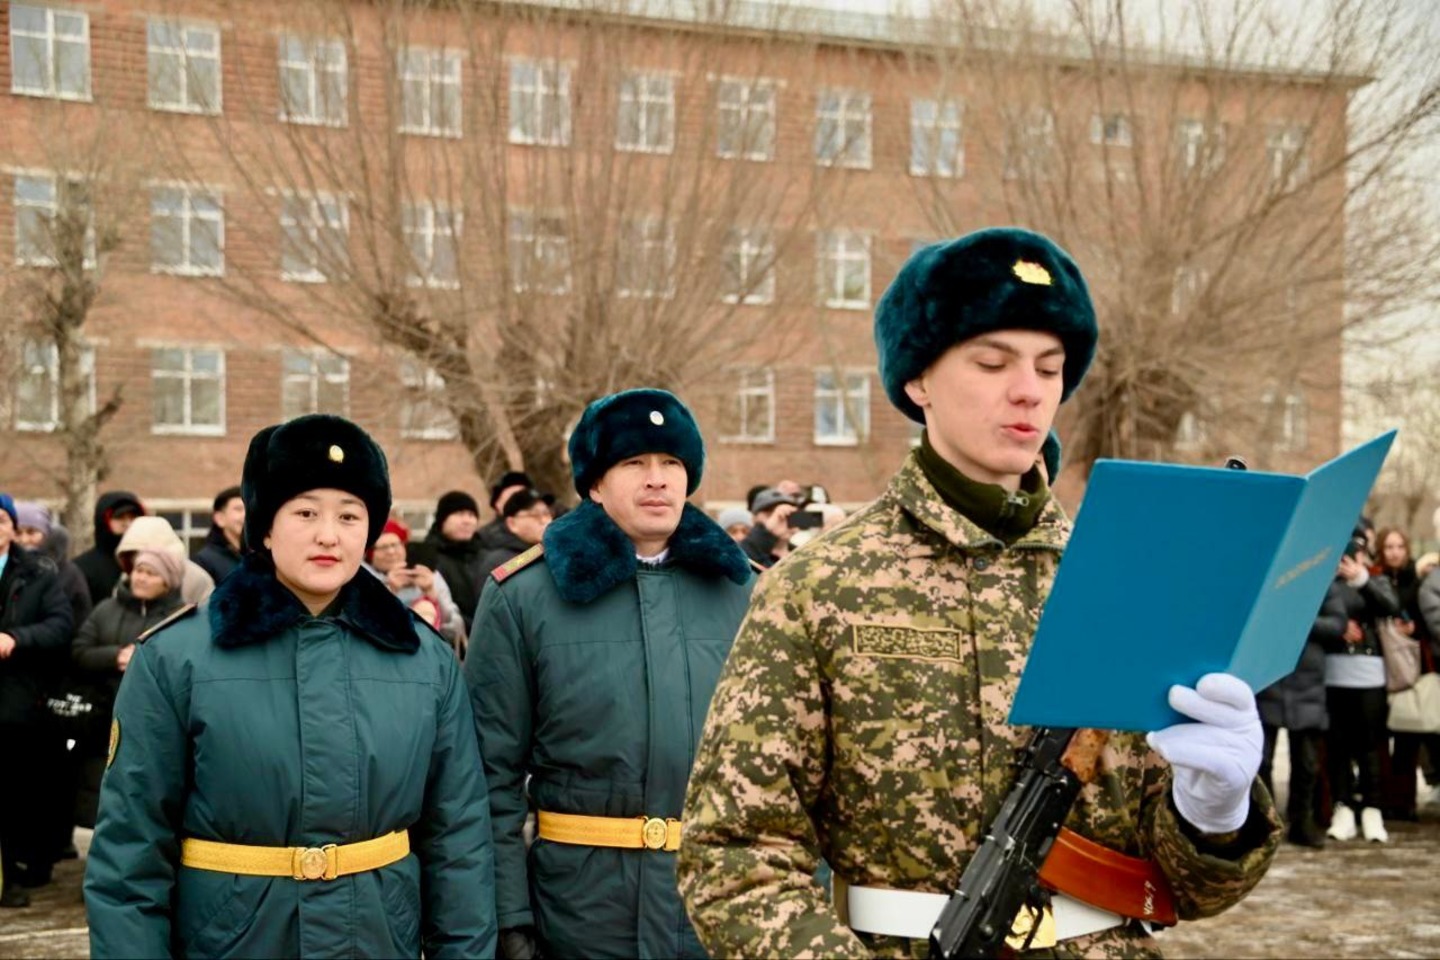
{"x": 861, "y": 717}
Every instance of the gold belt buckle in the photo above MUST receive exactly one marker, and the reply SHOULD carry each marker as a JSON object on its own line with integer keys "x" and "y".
{"x": 314, "y": 863}
{"x": 1043, "y": 923}
{"x": 654, "y": 833}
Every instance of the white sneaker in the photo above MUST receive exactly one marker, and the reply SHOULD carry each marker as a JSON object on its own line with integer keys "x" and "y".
{"x": 1372, "y": 825}
{"x": 1342, "y": 823}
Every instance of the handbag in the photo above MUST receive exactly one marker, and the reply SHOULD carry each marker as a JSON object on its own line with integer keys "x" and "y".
{"x": 1402, "y": 656}
{"x": 1417, "y": 710}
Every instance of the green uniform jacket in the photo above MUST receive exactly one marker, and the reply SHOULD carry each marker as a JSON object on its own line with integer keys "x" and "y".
{"x": 255, "y": 723}
{"x": 862, "y": 717}
{"x": 591, "y": 675}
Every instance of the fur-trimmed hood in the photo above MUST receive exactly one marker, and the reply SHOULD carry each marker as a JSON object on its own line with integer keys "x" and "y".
{"x": 588, "y": 555}
{"x": 251, "y": 606}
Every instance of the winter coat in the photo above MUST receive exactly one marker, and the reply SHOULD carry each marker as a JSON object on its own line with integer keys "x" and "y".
{"x": 507, "y": 547}
{"x": 253, "y": 722}
{"x": 72, "y": 581}
{"x": 759, "y": 543}
{"x": 590, "y": 675}
{"x": 452, "y": 625}
{"x": 461, "y": 564}
{"x": 98, "y": 564}
{"x": 155, "y": 533}
{"x": 35, "y": 611}
{"x": 862, "y": 718}
{"x": 217, "y": 557}
{"x": 1365, "y": 605}
{"x": 1427, "y": 601}
{"x": 1297, "y": 701}
{"x": 493, "y": 535}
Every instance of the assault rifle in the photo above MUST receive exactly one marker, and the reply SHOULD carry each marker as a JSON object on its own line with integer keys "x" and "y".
{"x": 1000, "y": 879}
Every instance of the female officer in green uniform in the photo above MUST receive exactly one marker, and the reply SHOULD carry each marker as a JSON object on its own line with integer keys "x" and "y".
{"x": 293, "y": 768}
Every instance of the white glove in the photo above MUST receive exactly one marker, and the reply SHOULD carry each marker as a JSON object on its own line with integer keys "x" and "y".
{"x": 1215, "y": 759}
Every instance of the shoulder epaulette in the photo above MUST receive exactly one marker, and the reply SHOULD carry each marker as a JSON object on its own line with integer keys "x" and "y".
{"x": 175, "y": 617}
{"x": 516, "y": 564}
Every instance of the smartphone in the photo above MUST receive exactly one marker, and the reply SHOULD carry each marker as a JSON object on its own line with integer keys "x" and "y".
{"x": 805, "y": 520}
{"x": 421, "y": 555}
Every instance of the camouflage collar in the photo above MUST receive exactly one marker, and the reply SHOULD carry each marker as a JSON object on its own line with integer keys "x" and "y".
{"x": 917, "y": 496}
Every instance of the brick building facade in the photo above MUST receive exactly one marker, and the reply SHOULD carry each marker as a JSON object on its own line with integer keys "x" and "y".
{"x": 200, "y": 366}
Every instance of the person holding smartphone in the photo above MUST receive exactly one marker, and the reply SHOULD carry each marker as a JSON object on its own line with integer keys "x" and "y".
{"x": 769, "y": 537}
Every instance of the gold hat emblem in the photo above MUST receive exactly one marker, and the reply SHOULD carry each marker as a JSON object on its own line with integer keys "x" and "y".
{"x": 1030, "y": 272}
{"x": 657, "y": 418}
{"x": 336, "y": 454}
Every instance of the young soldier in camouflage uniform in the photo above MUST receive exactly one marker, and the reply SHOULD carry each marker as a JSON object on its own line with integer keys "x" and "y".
{"x": 862, "y": 713}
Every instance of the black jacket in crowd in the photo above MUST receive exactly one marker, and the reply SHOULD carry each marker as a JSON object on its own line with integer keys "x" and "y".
{"x": 759, "y": 543}
{"x": 506, "y": 548}
{"x": 1366, "y": 605}
{"x": 1297, "y": 700}
{"x": 72, "y": 581}
{"x": 461, "y": 563}
{"x": 98, "y": 564}
{"x": 35, "y": 611}
{"x": 217, "y": 557}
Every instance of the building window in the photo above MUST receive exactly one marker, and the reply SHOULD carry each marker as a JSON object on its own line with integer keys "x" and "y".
{"x": 313, "y": 81}
{"x": 539, "y": 253}
{"x": 1285, "y": 154}
{"x": 842, "y": 129}
{"x": 1189, "y": 289}
{"x": 314, "y": 383}
{"x": 1030, "y": 145}
{"x": 646, "y": 259}
{"x": 842, "y": 407}
{"x": 540, "y": 103}
{"x": 49, "y": 52}
{"x": 189, "y": 390}
{"x": 184, "y": 67}
{"x": 1289, "y": 420}
{"x": 423, "y": 414}
{"x": 54, "y": 221}
{"x": 192, "y": 523}
{"x": 187, "y": 232}
{"x": 37, "y": 387}
{"x": 936, "y": 145}
{"x": 432, "y": 235}
{"x": 749, "y": 412}
{"x": 1110, "y": 129}
{"x": 314, "y": 231}
{"x": 1201, "y": 146}
{"x": 745, "y": 119}
{"x": 646, "y": 122}
{"x": 429, "y": 92}
{"x": 845, "y": 269}
{"x": 749, "y": 263}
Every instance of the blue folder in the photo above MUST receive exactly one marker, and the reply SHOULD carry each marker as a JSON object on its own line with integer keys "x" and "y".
{"x": 1173, "y": 572}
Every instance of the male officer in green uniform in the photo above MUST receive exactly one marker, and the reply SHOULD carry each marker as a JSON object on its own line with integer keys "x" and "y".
{"x": 862, "y": 713}
{"x": 591, "y": 666}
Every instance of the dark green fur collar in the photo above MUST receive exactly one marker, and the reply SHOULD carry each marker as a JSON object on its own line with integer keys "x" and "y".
{"x": 251, "y": 606}
{"x": 588, "y": 555}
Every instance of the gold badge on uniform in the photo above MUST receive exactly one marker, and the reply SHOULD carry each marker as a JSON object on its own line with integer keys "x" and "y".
{"x": 114, "y": 743}
{"x": 1031, "y": 272}
{"x": 337, "y": 454}
{"x": 657, "y": 418}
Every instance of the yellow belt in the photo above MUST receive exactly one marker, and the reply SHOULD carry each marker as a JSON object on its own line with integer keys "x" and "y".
{"x": 628, "y": 833}
{"x": 299, "y": 863}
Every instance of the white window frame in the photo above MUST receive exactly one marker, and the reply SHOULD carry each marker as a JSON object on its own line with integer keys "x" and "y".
{"x": 742, "y": 105}
{"x": 1030, "y": 145}
{"x": 835, "y": 111}
{"x": 948, "y": 116}
{"x": 50, "y": 39}
{"x": 437, "y": 68}
{"x": 841, "y": 397}
{"x": 754, "y": 251}
{"x": 47, "y": 370}
{"x": 185, "y": 103}
{"x": 190, "y": 519}
{"x": 311, "y": 228}
{"x": 422, "y": 221}
{"x": 1287, "y": 156}
{"x": 49, "y": 210}
{"x": 188, "y": 215}
{"x": 336, "y": 62}
{"x": 835, "y": 248}
{"x": 312, "y": 378}
{"x": 422, "y": 384}
{"x": 189, "y": 376}
{"x": 1201, "y": 145}
{"x": 637, "y": 93}
{"x": 1293, "y": 433}
{"x": 529, "y": 249}
{"x": 647, "y": 234}
{"x": 527, "y": 102}
{"x": 1111, "y": 130}
{"x": 751, "y": 383}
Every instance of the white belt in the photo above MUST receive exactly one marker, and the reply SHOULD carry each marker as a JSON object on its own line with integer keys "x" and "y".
{"x": 908, "y": 913}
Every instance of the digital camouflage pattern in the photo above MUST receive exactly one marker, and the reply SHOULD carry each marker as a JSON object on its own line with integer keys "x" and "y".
{"x": 861, "y": 717}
